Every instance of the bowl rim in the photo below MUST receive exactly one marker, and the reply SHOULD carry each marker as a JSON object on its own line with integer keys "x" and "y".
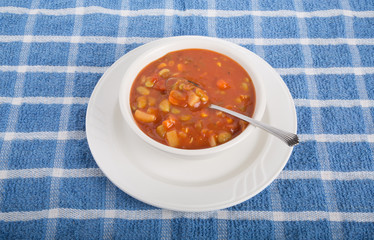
{"x": 166, "y": 45}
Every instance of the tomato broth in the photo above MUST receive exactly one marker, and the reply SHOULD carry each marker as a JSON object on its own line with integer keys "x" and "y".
{"x": 179, "y": 115}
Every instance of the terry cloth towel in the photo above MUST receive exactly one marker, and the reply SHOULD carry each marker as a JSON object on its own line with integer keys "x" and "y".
{"x": 52, "y": 54}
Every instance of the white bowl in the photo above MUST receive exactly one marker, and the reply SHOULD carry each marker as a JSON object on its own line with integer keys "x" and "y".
{"x": 187, "y": 42}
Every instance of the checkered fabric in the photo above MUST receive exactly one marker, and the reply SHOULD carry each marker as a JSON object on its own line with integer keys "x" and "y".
{"x": 52, "y": 54}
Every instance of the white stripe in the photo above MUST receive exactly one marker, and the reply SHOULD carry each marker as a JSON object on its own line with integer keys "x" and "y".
{"x": 333, "y": 103}
{"x": 344, "y": 138}
{"x": 189, "y": 12}
{"x": 69, "y": 213}
{"x": 326, "y": 175}
{"x": 62, "y": 135}
{"x": 142, "y": 40}
{"x": 281, "y": 71}
{"x": 96, "y": 172}
{"x": 44, "y": 100}
{"x": 53, "y": 69}
{"x": 321, "y": 71}
{"x": 51, "y": 172}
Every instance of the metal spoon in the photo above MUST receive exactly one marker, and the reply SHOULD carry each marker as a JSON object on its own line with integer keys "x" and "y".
{"x": 289, "y": 138}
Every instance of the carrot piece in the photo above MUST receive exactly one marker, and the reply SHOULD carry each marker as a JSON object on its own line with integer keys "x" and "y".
{"x": 222, "y": 84}
{"x": 169, "y": 122}
{"x": 177, "y": 98}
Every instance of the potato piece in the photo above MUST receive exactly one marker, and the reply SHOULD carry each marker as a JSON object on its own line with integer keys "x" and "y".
{"x": 172, "y": 138}
{"x": 161, "y": 130}
{"x": 224, "y": 137}
{"x": 164, "y": 73}
{"x": 144, "y": 117}
{"x": 142, "y": 90}
{"x": 141, "y": 101}
{"x": 193, "y": 100}
{"x": 164, "y": 105}
{"x": 212, "y": 141}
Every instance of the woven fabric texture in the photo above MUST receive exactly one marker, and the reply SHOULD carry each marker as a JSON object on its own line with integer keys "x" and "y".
{"x": 53, "y": 53}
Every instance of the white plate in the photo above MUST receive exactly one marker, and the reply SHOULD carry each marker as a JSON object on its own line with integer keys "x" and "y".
{"x": 161, "y": 180}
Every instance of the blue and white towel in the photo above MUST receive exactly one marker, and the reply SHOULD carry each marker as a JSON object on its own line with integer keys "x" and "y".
{"x": 52, "y": 53}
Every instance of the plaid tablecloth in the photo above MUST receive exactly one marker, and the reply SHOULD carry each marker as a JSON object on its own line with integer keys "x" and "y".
{"x": 52, "y": 54}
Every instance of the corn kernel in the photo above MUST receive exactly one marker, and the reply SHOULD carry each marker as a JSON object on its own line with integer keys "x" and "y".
{"x": 219, "y": 64}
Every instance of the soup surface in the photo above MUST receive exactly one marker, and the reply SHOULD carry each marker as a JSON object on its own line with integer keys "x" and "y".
{"x": 170, "y": 98}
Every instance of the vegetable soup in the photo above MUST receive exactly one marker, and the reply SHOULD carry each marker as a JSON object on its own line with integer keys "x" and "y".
{"x": 170, "y": 99}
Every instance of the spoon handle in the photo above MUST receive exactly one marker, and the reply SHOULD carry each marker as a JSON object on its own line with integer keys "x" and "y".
{"x": 290, "y": 139}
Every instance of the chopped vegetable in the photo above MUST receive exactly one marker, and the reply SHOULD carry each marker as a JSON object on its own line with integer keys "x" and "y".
{"x": 161, "y": 65}
{"x": 143, "y": 90}
{"x": 164, "y": 105}
{"x": 244, "y": 86}
{"x": 172, "y": 138}
{"x": 141, "y": 101}
{"x": 161, "y": 130}
{"x": 164, "y": 73}
{"x": 212, "y": 141}
{"x": 222, "y": 84}
{"x": 144, "y": 117}
{"x": 224, "y": 137}
{"x": 169, "y": 122}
